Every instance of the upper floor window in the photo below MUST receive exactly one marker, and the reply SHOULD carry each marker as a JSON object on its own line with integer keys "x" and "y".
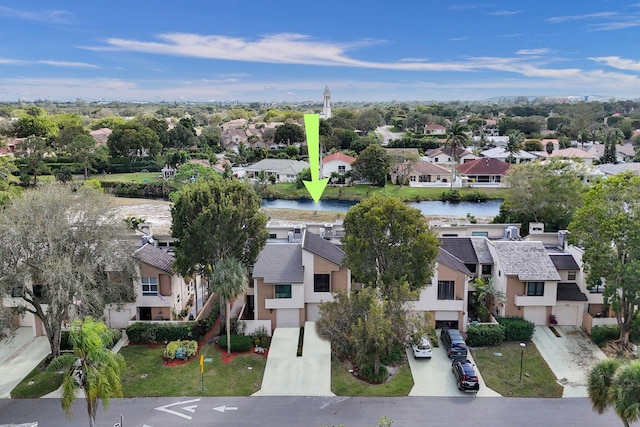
{"x": 321, "y": 283}
{"x": 149, "y": 286}
{"x": 571, "y": 275}
{"x": 446, "y": 289}
{"x": 283, "y": 291}
{"x": 487, "y": 268}
{"x": 342, "y": 169}
{"x": 535, "y": 289}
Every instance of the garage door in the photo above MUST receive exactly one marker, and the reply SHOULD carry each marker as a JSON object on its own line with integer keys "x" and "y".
{"x": 567, "y": 315}
{"x": 537, "y": 315}
{"x": 288, "y": 318}
{"x": 313, "y": 312}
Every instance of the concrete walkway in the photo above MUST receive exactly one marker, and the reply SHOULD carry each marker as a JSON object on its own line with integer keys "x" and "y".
{"x": 570, "y": 356}
{"x": 20, "y": 356}
{"x": 288, "y": 375}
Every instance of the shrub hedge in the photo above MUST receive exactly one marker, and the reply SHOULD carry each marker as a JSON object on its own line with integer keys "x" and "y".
{"x": 190, "y": 347}
{"x": 516, "y": 329}
{"x": 394, "y": 357}
{"x": 143, "y": 332}
{"x": 367, "y": 372}
{"x": 485, "y": 335}
{"x": 239, "y": 343}
{"x": 601, "y": 334}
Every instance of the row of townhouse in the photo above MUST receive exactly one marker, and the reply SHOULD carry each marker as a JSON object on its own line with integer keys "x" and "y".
{"x": 336, "y": 166}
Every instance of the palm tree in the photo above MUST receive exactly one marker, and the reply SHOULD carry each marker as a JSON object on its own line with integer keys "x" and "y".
{"x": 488, "y": 295}
{"x": 612, "y": 383}
{"x": 514, "y": 145}
{"x": 456, "y": 138}
{"x": 92, "y": 367}
{"x": 229, "y": 279}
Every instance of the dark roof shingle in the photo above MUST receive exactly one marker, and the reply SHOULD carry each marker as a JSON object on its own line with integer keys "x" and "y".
{"x": 155, "y": 257}
{"x": 323, "y": 248}
{"x": 570, "y": 292}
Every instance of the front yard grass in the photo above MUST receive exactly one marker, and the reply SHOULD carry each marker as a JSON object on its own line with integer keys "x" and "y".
{"x": 43, "y": 383}
{"x": 502, "y": 374}
{"x": 343, "y": 383}
{"x": 147, "y": 376}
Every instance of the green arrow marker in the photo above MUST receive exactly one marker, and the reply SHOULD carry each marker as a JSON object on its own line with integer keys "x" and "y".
{"x": 316, "y": 186}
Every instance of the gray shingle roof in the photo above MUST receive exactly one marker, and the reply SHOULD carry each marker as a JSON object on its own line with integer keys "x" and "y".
{"x": 460, "y": 247}
{"x": 323, "y": 248}
{"x": 451, "y": 261}
{"x": 280, "y": 263}
{"x": 279, "y": 165}
{"x": 155, "y": 257}
{"x": 564, "y": 262}
{"x": 528, "y": 261}
{"x": 480, "y": 244}
{"x": 570, "y": 292}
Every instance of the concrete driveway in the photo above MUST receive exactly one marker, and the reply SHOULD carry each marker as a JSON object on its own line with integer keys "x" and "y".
{"x": 289, "y": 375}
{"x": 433, "y": 377}
{"x": 570, "y": 356}
{"x": 18, "y": 357}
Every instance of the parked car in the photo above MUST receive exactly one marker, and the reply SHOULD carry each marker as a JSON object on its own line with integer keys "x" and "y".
{"x": 422, "y": 348}
{"x": 466, "y": 378}
{"x": 454, "y": 344}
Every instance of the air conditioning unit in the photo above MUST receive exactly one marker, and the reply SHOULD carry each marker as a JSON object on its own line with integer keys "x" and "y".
{"x": 328, "y": 231}
{"x": 290, "y": 236}
{"x": 321, "y": 233}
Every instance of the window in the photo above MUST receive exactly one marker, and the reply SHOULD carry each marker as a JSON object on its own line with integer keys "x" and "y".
{"x": 424, "y": 178}
{"x": 321, "y": 283}
{"x": 480, "y": 233}
{"x": 597, "y": 289}
{"x": 446, "y": 289}
{"x": 486, "y": 268}
{"x": 149, "y": 286}
{"x": 572, "y": 275}
{"x": 272, "y": 235}
{"x": 535, "y": 289}
{"x": 435, "y": 160}
{"x": 283, "y": 291}
{"x": 412, "y": 178}
{"x": 16, "y": 292}
{"x": 342, "y": 169}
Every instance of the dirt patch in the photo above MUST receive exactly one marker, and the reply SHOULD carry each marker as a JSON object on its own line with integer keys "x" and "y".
{"x": 613, "y": 350}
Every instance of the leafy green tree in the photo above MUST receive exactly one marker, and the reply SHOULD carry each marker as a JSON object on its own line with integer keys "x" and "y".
{"x": 7, "y": 168}
{"x": 368, "y": 120}
{"x": 612, "y": 383}
{"x": 181, "y": 137}
{"x": 63, "y": 175}
{"x": 288, "y": 134}
{"x": 533, "y": 145}
{"x": 457, "y": 138}
{"x": 514, "y": 145}
{"x": 59, "y": 247}
{"x": 160, "y": 127}
{"x": 33, "y": 151}
{"x": 488, "y": 295}
{"x": 214, "y": 220}
{"x": 373, "y": 333}
{"x": 607, "y": 228}
{"x": 387, "y": 243}
{"x": 92, "y": 367}
{"x": 132, "y": 139}
{"x": 549, "y": 147}
{"x": 36, "y": 126}
{"x": 229, "y": 279}
{"x": 66, "y": 135}
{"x": 373, "y": 165}
{"x": 85, "y": 151}
{"x": 547, "y": 192}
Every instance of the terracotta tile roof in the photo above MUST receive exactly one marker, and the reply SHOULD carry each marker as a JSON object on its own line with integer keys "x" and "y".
{"x": 338, "y": 156}
{"x": 155, "y": 257}
{"x": 484, "y": 166}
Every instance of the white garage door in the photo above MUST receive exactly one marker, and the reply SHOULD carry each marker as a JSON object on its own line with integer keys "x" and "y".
{"x": 313, "y": 312}
{"x": 567, "y": 315}
{"x": 288, "y": 318}
{"x": 537, "y": 315}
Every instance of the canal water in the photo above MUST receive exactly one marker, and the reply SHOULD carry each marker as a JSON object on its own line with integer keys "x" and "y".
{"x": 430, "y": 207}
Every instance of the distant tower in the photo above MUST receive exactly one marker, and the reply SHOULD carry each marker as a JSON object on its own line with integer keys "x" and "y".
{"x": 326, "y": 104}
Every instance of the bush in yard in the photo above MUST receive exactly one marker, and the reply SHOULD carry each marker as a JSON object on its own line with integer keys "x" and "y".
{"x": 516, "y": 329}
{"x": 141, "y": 332}
{"x": 367, "y": 372}
{"x": 190, "y": 347}
{"x": 484, "y": 335}
{"x": 394, "y": 357}
{"x": 239, "y": 343}
{"x": 433, "y": 338}
{"x": 601, "y": 334}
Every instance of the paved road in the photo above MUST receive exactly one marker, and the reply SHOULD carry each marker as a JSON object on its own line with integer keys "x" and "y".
{"x": 315, "y": 412}
{"x": 387, "y": 135}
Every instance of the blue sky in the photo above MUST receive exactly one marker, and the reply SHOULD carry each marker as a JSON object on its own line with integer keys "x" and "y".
{"x": 289, "y": 50}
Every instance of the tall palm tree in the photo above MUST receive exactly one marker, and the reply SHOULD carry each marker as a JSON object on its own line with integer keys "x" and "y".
{"x": 611, "y": 383}
{"x": 229, "y": 279}
{"x": 457, "y": 137}
{"x": 514, "y": 145}
{"x": 487, "y": 294}
{"x": 92, "y": 367}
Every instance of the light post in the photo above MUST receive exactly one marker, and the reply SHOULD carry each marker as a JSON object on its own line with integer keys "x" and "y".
{"x": 522, "y": 346}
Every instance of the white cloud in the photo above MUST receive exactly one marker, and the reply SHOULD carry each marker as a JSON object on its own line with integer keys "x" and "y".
{"x": 617, "y": 62}
{"x": 539, "y": 51}
{"x": 505, "y": 12}
{"x": 66, "y": 64}
{"x": 557, "y": 19}
{"x": 48, "y": 16}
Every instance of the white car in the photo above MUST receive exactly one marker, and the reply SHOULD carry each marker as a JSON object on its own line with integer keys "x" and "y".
{"x": 422, "y": 348}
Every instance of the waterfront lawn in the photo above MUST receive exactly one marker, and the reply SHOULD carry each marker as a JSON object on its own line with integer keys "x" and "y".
{"x": 147, "y": 376}
{"x": 134, "y": 177}
{"x": 502, "y": 374}
{"x": 343, "y": 383}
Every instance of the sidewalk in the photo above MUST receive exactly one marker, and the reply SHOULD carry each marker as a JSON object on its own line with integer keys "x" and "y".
{"x": 18, "y": 357}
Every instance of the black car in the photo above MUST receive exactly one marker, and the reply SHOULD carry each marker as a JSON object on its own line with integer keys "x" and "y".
{"x": 465, "y": 374}
{"x": 454, "y": 344}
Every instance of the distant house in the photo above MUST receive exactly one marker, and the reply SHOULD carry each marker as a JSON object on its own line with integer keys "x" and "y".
{"x": 337, "y": 163}
{"x": 9, "y": 147}
{"x": 101, "y": 135}
{"x": 232, "y": 138}
{"x": 421, "y": 174}
{"x": 570, "y": 153}
{"x": 624, "y": 153}
{"x": 285, "y": 170}
{"x": 501, "y": 154}
{"x": 434, "y": 129}
{"x": 443, "y": 154}
{"x": 484, "y": 172}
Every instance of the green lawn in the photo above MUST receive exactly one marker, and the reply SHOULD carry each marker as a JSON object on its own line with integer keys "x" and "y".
{"x": 502, "y": 373}
{"x": 135, "y": 177}
{"x": 147, "y": 376}
{"x": 343, "y": 383}
{"x": 37, "y": 383}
